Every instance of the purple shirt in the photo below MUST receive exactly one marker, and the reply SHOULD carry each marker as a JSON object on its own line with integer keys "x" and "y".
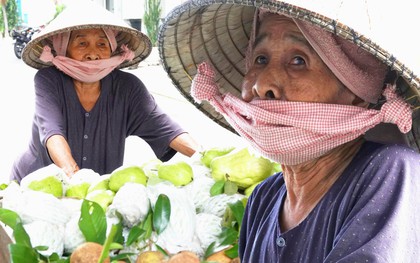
{"x": 370, "y": 214}
{"x": 96, "y": 138}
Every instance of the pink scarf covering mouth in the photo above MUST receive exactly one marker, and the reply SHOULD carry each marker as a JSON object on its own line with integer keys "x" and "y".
{"x": 86, "y": 71}
{"x": 295, "y": 132}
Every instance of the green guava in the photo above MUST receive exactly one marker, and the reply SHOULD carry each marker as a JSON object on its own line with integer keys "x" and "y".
{"x": 49, "y": 184}
{"x": 78, "y": 191}
{"x": 100, "y": 185}
{"x": 119, "y": 177}
{"x": 179, "y": 173}
{"x": 241, "y": 167}
{"x": 103, "y": 197}
{"x": 208, "y": 155}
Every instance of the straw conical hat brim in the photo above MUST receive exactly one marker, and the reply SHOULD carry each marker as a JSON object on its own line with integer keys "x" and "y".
{"x": 218, "y": 31}
{"x": 85, "y": 16}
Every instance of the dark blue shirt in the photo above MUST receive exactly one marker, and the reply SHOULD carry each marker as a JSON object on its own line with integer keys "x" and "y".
{"x": 96, "y": 138}
{"x": 370, "y": 214}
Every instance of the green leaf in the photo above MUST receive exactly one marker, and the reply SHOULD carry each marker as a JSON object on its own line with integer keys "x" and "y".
{"x": 20, "y": 235}
{"x": 41, "y": 248}
{"x": 147, "y": 225}
{"x": 20, "y": 253}
{"x": 135, "y": 233}
{"x": 228, "y": 236}
{"x": 107, "y": 244}
{"x": 230, "y": 188}
{"x": 119, "y": 238}
{"x": 162, "y": 213}
{"x": 238, "y": 211}
{"x": 3, "y": 186}
{"x": 52, "y": 258}
{"x": 232, "y": 252}
{"x": 9, "y": 217}
{"x": 115, "y": 246}
{"x": 163, "y": 251}
{"x": 210, "y": 250}
{"x": 122, "y": 256}
{"x": 92, "y": 222}
{"x": 217, "y": 188}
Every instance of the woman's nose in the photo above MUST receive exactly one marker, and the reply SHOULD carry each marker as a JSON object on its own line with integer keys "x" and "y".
{"x": 267, "y": 85}
{"x": 92, "y": 55}
{"x": 264, "y": 92}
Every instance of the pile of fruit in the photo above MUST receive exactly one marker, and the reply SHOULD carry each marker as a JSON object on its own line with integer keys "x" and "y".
{"x": 173, "y": 211}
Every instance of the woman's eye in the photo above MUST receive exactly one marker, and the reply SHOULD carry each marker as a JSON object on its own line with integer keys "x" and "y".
{"x": 261, "y": 60}
{"x": 298, "y": 61}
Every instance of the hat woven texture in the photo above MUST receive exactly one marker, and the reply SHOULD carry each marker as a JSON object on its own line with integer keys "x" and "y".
{"x": 217, "y": 31}
{"x": 86, "y": 15}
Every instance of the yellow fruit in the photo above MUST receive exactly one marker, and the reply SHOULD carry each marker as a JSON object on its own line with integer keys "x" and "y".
{"x": 88, "y": 252}
{"x": 184, "y": 257}
{"x": 219, "y": 257}
{"x": 151, "y": 257}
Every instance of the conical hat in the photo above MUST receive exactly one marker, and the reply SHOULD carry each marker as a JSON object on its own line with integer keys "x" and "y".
{"x": 86, "y": 15}
{"x": 217, "y": 31}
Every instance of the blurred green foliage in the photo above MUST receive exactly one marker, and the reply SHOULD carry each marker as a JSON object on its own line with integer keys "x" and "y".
{"x": 12, "y": 17}
{"x": 152, "y": 18}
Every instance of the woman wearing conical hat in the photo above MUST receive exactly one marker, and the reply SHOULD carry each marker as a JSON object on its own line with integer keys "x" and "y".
{"x": 85, "y": 106}
{"x": 334, "y": 108}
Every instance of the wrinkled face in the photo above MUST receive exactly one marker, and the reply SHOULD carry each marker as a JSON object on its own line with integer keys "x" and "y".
{"x": 285, "y": 67}
{"x": 88, "y": 44}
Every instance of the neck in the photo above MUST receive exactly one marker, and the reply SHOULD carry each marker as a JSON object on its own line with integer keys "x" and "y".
{"x": 88, "y": 93}
{"x": 307, "y": 183}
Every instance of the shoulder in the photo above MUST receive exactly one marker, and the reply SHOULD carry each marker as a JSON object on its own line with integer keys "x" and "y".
{"x": 392, "y": 157}
{"x": 129, "y": 90}
{"x": 51, "y": 79}
{"x": 384, "y": 172}
{"x": 389, "y": 149}
{"x": 48, "y": 72}
{"x": 122, "y": 82}
{"x": 378, "y": 194}
{"x": 125, "y": 77}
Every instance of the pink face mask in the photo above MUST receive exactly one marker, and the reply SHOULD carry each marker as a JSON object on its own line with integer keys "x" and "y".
{"x": 295, "y": 132}
{"x": 87, "y": 71}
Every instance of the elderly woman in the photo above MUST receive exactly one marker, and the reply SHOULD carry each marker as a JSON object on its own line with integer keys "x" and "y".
{"x": 85, "y": 105}
{"x": 306, "y": 97}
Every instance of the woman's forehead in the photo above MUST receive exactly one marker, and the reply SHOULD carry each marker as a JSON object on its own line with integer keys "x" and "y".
{"x": 273, "y": 24}
{"x": 88, "y": 31}
{"x": 277, "y": 22}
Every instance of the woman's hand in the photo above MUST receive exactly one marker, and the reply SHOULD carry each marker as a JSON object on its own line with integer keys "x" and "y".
{"x": 60, "y": 153}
